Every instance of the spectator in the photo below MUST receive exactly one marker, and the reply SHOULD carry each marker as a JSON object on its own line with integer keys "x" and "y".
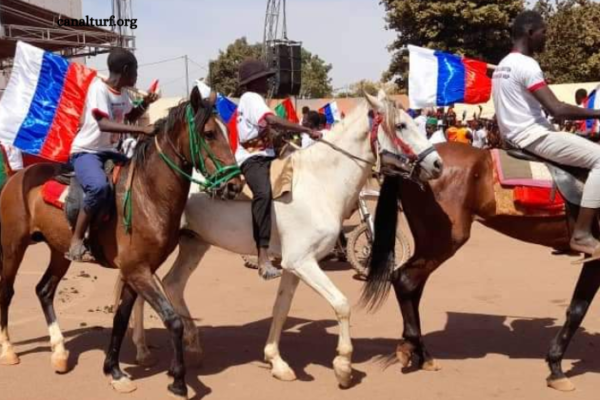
{"x": 434, "y": 134}
{"x": 480, "y": 135}
{"x": 421, "y": 121}
{"x": 314, "y": 122}
{"x": 305, "y": 111}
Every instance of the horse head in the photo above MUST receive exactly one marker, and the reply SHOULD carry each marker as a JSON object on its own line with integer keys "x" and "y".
{"x": 207, "y": 149}
{"x": 403, "y": 149}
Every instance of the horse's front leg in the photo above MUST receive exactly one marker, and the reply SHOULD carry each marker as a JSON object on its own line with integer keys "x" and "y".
{"x": 311, "y": 274}
{"x": 586, "y": 289}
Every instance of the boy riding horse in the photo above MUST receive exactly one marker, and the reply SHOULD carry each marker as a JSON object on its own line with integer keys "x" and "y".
{"x": 255, "y": 152}
{"x": 520, "y": 92}
{"x": 106, "y": 110}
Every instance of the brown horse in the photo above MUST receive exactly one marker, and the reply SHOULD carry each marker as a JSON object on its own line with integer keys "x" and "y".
{"x": 158, "y": 172}
{"x": 440, "y": 217}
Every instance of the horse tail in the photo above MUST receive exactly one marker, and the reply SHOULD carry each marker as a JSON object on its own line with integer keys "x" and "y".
{"x": 381, "y": 266}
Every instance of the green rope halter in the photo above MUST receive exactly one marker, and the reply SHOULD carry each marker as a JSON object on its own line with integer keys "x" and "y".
{"x": 212, "y": 182}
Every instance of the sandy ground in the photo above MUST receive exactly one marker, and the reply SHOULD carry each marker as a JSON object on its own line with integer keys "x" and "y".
{"x": 488, "y": 316}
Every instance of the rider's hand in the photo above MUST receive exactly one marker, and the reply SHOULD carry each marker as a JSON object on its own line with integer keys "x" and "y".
{"x": 148, "y": 130}
{"x": 315, "y": 135}
{"x": 150, "y": 98}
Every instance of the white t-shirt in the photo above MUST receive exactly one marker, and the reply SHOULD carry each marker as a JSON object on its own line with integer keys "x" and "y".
{"x": 14, "y": 156}
{"x": 103, "y": 101}
{"x": 480, "y": 138}
{"x": 251, "y": 124}
{"x": 438, "y": 137}
{"x": 519, "y": 114}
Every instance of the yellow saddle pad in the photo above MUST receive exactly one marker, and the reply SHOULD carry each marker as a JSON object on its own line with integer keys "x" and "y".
{"x": 282, "y": 172}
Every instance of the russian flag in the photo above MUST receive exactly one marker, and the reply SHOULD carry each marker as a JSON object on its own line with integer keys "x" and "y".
{"x": 332, "y": 112}
{"x": 43, "y": 103}
{"x": 227, "y": 110}
{"x": 439, "y": 79}
{"x": 591, "y": 103}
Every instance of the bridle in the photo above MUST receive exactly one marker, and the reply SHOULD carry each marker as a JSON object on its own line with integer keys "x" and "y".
{"x": 408, "y": 157}
{"x": 212, "y": 182}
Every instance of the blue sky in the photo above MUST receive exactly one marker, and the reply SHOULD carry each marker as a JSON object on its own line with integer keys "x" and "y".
{"x": 349, "y": 34}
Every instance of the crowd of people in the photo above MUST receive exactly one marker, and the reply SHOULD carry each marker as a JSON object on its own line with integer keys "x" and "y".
{"x": 442, "y": 125}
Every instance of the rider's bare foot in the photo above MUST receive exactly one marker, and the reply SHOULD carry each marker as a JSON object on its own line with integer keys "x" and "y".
{"x": 585, "y": 244}
{"x": 266, "y": 270}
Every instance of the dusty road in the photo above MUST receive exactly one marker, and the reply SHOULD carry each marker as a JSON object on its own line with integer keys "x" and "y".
{"x": 488, "y": 316}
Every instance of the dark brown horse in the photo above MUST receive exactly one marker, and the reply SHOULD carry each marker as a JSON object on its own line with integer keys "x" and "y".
{"x": 440, "y": 218}
{"x": 159, "y": 170}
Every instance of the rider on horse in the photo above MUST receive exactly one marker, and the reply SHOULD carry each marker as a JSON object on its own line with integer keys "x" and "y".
{"x": 106, "y": 110}
{"x": 255, "y": 152}
{"x": 520, "y": 93}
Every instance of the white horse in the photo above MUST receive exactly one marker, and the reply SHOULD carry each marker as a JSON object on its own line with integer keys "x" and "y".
{"x": 306, "y": 223}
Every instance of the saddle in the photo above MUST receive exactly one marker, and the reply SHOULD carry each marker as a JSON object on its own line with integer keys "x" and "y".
{"x": 568, "y": 180}
{"x": 65, "y": 192}
{"x": 282, "y": 172}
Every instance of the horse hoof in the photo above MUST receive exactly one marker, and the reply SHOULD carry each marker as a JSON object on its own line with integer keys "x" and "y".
{"x": 123, "y": 385}
{"x": 343, "y": 371}
{"x": 431, "y": 366}
{"x": 9, "y": 357}
{"x": 59, "y": 362}
{"x": 283, "y": 373}
{"x": 146, "y": 360}
{"x": 404, "y": 352}
{"x": 561, "y": 384}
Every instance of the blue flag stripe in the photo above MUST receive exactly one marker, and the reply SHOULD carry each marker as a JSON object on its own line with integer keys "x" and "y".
{"x": 451, "y": 79}
{"x": 32, "y": 133}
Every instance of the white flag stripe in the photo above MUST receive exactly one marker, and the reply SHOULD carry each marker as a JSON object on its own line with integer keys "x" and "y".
{"x": 19, "y": 93}
{"x": 422, "y": 77}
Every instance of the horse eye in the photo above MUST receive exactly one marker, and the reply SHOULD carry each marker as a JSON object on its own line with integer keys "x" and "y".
{"x": 210, "y": 135}
{"x": 401, "y": 126}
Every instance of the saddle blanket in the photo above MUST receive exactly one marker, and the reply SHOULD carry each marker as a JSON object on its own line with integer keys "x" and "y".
{"x": 282, "y": 173}
{"x": 514, "y": 172}
{"x": 521, "y": 188}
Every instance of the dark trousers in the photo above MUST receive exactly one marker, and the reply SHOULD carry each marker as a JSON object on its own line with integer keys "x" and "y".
{"x": 257, "y": 171}
{"x": 89, "y": 169}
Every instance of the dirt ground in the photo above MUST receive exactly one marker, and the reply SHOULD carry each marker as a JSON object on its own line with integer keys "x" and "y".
{"x": 488, "y": 316}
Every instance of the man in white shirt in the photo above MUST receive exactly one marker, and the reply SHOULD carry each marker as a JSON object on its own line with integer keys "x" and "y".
{"x": 255, "y": 152}
{"x": 434, "y": 134}
{"x": 479, "y": 135}
{"x": 520, "y": 92}
{"x": 106, "y": 109}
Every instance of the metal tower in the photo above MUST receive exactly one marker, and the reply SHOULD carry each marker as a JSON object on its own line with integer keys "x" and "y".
{"x": 274, "y": 11}
{"x": 122, "y": 9}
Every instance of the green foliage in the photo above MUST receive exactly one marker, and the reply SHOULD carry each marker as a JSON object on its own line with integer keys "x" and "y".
{"x": 223, "y": 77}
{"x": 473, "y": 28}
{"x": 572, "y": 51}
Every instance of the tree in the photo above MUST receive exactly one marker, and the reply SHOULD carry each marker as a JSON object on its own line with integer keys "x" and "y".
{"x": 473, "y": 28}
{"x": 571, "y": 53}
{"x": 223, "y": 75}
{"x": 316, "y": 82}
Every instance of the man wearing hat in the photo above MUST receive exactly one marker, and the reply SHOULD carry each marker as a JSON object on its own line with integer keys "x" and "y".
{"x": 434, "y": 134}
{"x": 255, "y": 152}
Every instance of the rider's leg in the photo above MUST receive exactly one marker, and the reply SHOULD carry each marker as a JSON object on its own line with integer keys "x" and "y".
{"x": 257, "y": 171}
{"x": 89, "y": 169}
{"x": 569, "y": 149}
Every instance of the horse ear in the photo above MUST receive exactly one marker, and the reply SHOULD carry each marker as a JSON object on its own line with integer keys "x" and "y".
{"x": 195, "y": 99}
{"x": 381, "y": 95}
{"x": 375, "y": 103}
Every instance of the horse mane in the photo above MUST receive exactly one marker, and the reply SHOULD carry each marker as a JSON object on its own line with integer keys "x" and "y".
{"x": 383, "y": 255}
{"x": 168, "y": 124}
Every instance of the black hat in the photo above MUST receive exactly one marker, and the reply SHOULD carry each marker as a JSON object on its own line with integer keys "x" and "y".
{"x": 251, "y": 70}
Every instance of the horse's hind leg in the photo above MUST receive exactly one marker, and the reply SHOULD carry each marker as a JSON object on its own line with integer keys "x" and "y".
{"x": 143, "y": 354}
{"x": 586, "y": 289}
{"x": 119, "y": 381}
{"x": 12, "y": 256}
{"x": 191, "y": 251}
{"x": 287, "y": 287}
{"x": 46, "y": 289}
